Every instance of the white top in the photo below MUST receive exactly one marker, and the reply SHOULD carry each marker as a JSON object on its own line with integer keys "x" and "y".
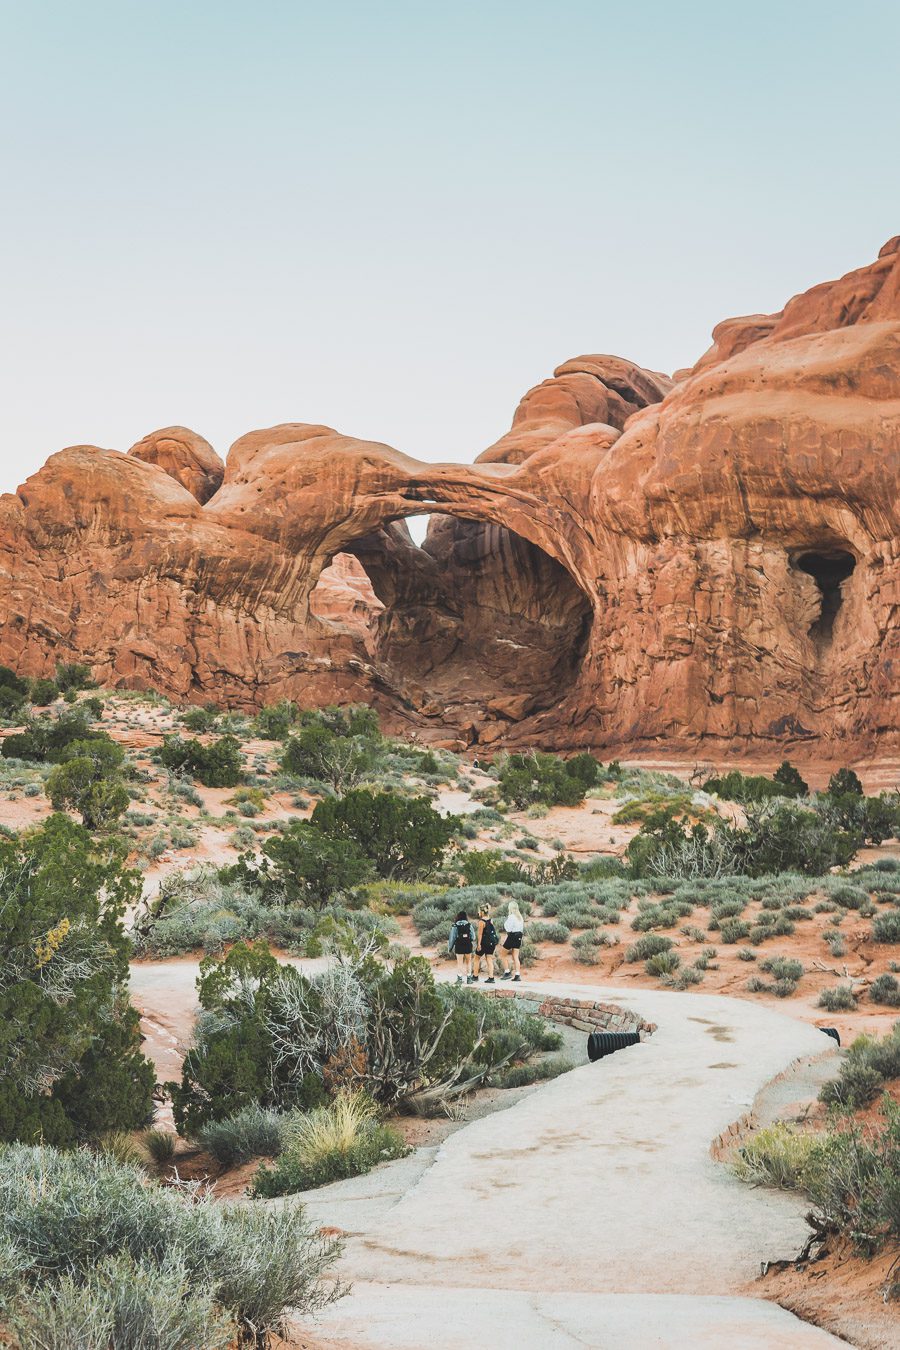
{"x": 514, "y": 925}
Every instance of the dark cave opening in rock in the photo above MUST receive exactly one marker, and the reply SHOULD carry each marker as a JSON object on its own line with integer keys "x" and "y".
{"x": 829, "y": 569}
{"x": 475, "y": 622}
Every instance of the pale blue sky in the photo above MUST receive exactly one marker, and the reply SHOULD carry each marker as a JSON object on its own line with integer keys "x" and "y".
{"x": 396, "y": 217}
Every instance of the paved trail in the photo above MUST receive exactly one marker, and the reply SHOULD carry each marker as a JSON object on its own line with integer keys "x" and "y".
{"x": 590, "y": 1213}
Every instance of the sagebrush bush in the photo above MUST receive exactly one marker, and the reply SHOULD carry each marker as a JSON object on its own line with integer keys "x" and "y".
{"x": 840, "y": 998}
{"x": 652, "y": 944}
{"x": 663, "y": 963}
{"x": 65, "y": 1217}
{"x": 537, "y": 1071}
{"x": 251, "y": 1133}
{"x": 885, "y": 989}
{"x": 886, "y": 927}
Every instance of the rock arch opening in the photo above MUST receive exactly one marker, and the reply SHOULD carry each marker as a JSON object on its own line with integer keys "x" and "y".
{"x": 829, "y": 569}
{"x": 474, "y": 623}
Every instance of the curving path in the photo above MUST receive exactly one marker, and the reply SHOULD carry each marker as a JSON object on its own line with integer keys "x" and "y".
{"x": 590, "y": 1213}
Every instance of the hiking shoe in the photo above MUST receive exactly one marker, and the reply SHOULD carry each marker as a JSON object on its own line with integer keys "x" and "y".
{"x": 516, "y": 979}
{"x": 507, "y": 975}
{"x": 491, "y": 981}
{"x": 470, "y": 979}
{"x": 459, "y": 979}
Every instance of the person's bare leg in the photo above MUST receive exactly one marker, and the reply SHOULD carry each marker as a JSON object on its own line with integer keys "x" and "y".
{"x": 515, "y": 957}
{"x": 460, "y": 965}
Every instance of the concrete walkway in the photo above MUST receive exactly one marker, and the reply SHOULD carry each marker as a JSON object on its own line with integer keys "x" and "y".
{"x": 590, "y": 1213}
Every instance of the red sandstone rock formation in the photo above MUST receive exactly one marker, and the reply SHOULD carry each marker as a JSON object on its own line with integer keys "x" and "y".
{"x": 632, "y": 564}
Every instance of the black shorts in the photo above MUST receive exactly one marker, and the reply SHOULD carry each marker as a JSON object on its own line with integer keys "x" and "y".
{"x": 486, "y": 951}
{"x": 463, "y": 948}
{"x": 512, "y": 941}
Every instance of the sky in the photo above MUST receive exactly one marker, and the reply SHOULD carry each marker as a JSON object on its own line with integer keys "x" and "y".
{"x": 394, "y": 218}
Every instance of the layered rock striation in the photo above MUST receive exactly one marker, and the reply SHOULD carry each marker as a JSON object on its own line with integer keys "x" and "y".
{"x": 711, "y": 563}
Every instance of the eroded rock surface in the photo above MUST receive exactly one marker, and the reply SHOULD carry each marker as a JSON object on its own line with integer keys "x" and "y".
{"x": 714, "y": 561}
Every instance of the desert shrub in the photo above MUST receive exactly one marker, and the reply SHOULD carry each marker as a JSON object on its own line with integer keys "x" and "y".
{"x": 786, "y": 836}
{"x": 330, "y": 1143}
{"x": 885, "y": 989}
{"x": 44, "y": 739}
{"x": 640, "y": 809}
{"x": 81, "y": 1229}
{"x": 835, "y": 942}
{"x": 790, "y": 780}
{"x": 738, "y": 787}
{"x": 311, "y": 868}
{"x": 666, "y": 914}
{"x": 218, "y": 764}
{"x": 200, "y": 721}
{"x": 776, "y": 1156}
{"x": 270, "y": 1035}
{"x": 72, "y": 675}
{"x": 535, "y": 1071}
{"x": 783, "y": 968}
{"x": 537, "y": 777}
{"x": 43, "y": 692}
{"x": 869, "y": 819}
{"x": 733, "y": 930}
{"x": 250, "y": 1133}
{"x": 274, "y": 721}
{"x": 89, "y": 780}
{"x": 485, "y": 867}
{"x": 403, "y": 836}
{"x": 886, "y": 927}
{"x": 14, "y": 691}
{"x": 844, "y": 894}
{"x": 844, "y": 782}
{"x": 549, "y": 932}
{"x": 335, "y": 746}
{"x": 838, "y": 999}
{"x": 70, "y": 1063}
{"x": 651, "y": 944}
{"x": 586, "y": 947}
{"x": 159, "y": 1146}
{"x": 746, "y": 954}
{"x": 663, "y": 963}
{"x": 584, "y": 768}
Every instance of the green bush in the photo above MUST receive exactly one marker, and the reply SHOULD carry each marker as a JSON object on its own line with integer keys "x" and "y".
{"x": 840, "y": 998}
{"x": 310, "y": 868}
{"x": 200, "y": 720}
{"x": 778, "y": 1155}
{"x": 783, "y": 968}
{"x": 403, "y": 836}
{"x": 336, "y": 747}
{"x": 536, "y": 777}
{"x": 663, "y": 963}
{"x": 45, "y": 739}
{"x": 738, "y": 787}
{"x": 343, "y": 1139}
{"x": 790, "y": 781}
{"x": 885, "y": 989}
{"x": 92, "y": 1245}
{"x": 274, "y": 721}
{"x": 652, "y": 944}
{"x": 218, "y": 764}
{"x": 536, "y": 1071}
{"x": 250, "y": 1133}
{"x": 72, "y": 676}
{"x": 485, "y": 867}
{"x": 44, "y": 692}
{"x": 584, "y": 768}
{"x": 89, "y": 781}
{"x": 549, "y": 932}
{"x": 886, "y": 927}
{"x": 70, "y": 1063}
{"x": 844, "y": 781}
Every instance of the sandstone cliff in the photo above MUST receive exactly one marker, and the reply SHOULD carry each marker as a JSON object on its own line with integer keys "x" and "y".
{"x": 713, "y": 562}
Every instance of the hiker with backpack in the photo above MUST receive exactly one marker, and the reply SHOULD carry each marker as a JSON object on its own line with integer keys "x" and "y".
{"x": 461, "y": 944}
{"x": 486, "y": 939}
{"x": 514, "y": 927}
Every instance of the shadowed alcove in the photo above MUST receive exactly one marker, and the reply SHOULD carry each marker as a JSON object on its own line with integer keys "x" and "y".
{"x": 475, "y": 620}
{"x": 829, "y": 569}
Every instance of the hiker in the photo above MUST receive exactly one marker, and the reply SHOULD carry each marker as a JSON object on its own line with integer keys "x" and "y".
{"x": 461, "y": 944}
{"x": 486, "y": 940}
{"x": 514, "y": 927}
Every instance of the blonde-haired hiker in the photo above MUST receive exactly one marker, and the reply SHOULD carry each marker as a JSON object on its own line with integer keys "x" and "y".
{"x": 514, "y": 927}
{"x": 486, "y": 941}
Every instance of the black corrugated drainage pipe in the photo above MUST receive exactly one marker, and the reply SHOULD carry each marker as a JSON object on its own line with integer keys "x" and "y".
{"x": 603, "y": 1043}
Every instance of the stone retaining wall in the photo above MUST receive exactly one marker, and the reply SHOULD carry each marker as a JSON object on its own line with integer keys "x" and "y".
{"x": 724, "y": 1146}
{"x": 581, "y": 1013}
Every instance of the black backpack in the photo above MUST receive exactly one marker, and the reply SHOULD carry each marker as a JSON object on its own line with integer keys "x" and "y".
{"x": 489, "y": 935}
